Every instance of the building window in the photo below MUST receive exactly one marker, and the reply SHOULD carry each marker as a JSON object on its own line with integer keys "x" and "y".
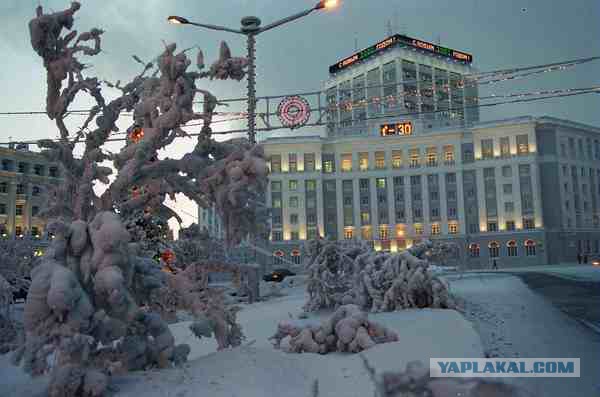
{"x": 19, "y": 231}
{"x": 414, "y": 158}
{"x": 431, "y": 156}
{"x": 293, "y": 202}
{"x": 507, "y": 171}
{"x": 505, "y": 147}
{"x": 23, "y": 167}
{"x": 275, "y": 164}
{"x": 529, "y": 247}
{"x": 435, "y": 212}
{"x": 35, "y": 210}
{"x": 366, "y": 233}
{"x": 528, "y": 224}
{"x": 383, "y": 233}
{"x": 347, "y": 162}
{"x": 419, "y": 229}
{"x": 396, "y": 159}
{"x": 509, "y": 207}
{"x": 311, "y": 219}
{"x": 363, "y": 161}
{"x": 398, "y": 181}
{"x": 522, "y": 145}
{"x": 310, "y": 185}
{"x": 19, "y": 210}
{"x": 435, "y": 229}
{"x": 294, "y": 236}
{"x": 487, "y": 149}
{"x": 379, "y": 160}
{"x": 451, "y": 212}
{"x": 2, "y": 209}
{"x": 415, "y": 180}
{"x": 449, "y": 154}
{"x": 510, "y": 225}
{"x": 348, "y": 233}
{"x": 365, "y": 218}
{"x": 474, "y": 250}
{"x": 473, "y": 228}
{"x": 293, "y": 184}
{"x": 275, "y": 186}
{"x": 309, "y": 162}
{"x": 380, "y": 182}
{"x": 35, "y": 191}
{"x": 276, "y": 220}
{"x": 3, "y": 187}
{"x": 276, "y": 203}
{"x": 294, "y": 219}
{"x": 277, "y": 235}
{"x": 311, "y": 202}
{"x": 38, "y": 169}
{"x": 417, "y": 213}
{"x": 452, "y": 228}
{"x": 328, "y": 166}
{"x": 292, "y": 162}
{"x": 311, "y": 234}
{"x": 492, "y": 227}
{"x": 35, "y": 232}
{"x": 494, "y": 248}
{"x": 20, "y": 189}
{"x": 511, "y": 247}
{"x": 296, "y": 257}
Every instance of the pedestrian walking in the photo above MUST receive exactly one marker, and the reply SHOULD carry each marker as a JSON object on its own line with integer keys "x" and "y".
{"x": 579, "y": 258}
{"x": 494, "y": 264}
{"x": 585, "y": 258}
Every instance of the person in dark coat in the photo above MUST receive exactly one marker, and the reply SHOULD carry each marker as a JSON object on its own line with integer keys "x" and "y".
{"x": 579, "y": 258}
{"x": 494, "y": 264}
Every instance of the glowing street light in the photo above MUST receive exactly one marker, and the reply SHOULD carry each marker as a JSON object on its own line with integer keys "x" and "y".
{"x": 250, "y": 28}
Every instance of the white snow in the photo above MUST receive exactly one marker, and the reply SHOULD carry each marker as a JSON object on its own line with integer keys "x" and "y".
{"x": 513, "y": 321}
{"x": 259, "y": 370}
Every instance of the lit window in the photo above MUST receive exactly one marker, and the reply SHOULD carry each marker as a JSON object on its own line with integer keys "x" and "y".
{"x": 511, "y": 247}
{"x": 309, "y": 162}
{"x": 474, "y": 250}
{"x": 487, "y": 148}
{"x": 380, "y": 182}
{"x": 435, "y": 229}
{"x": 348, "y": 234}
{"x": 383, "y": 233}
{"x": 530, "y": 248}
{"x": 452, "y": 228}
{"x": 396, "y": 159}
{"x": 293, "y": 162}
{"x": 522, "y": 145}
{"x": 431, "y": 157}
{"x": 414, "y": 158}
{"x": 276, "y": 163}
{"x": 492, "y": 227}
{"x": 528, "y": 224}
{"x": 449, "y": 154}
{"x": 311, "y": 185}
{"x": 418, "y": 229}
{"x": 328, "y": 166}
{"x": 293, "y": 185}
{"x": 276, "y": 203}
{"x": 347, "y": 162}
{"x": 294, "y": 236}
{"x": 505, "y": 147}
{"x": 494, "y": 248}
{"x": 365, "y": 218}
{"x": 379, "y": 160}
{"x": 366, "y": 233}
{"x": 363, "y": 160}
{"x": 19, "y": 210}
{"x": 510, "y": 225}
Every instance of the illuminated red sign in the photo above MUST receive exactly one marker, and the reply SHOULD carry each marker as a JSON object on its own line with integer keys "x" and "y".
{"x": 403, "y": 128}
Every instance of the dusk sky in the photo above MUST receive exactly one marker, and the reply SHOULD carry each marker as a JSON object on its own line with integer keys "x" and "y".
{"x": 295, "y": 57}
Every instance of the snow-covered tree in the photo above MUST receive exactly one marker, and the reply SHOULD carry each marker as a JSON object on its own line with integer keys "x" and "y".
{"x": 83, "y": 303}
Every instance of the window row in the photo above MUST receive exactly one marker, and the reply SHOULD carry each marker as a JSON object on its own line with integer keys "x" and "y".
{"x": 488, "y": 150}
{"x": 585, "y": 149}
{"x": 21, "y": 189}
{"x": 512, "y": 249}
{"x": 19, "y": 210}
{"x": 26, "y": 168}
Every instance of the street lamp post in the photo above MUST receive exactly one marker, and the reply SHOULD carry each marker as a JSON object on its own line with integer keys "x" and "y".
{"x": 250, "y": 27}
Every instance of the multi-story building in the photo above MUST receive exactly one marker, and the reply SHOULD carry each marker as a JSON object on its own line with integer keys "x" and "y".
{"x": 398, "y": 164}
{"x": 209, "y": 219}
{"x": 24, "y": 176}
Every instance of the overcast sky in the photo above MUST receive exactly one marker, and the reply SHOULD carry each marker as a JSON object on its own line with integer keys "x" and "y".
{"x": 295, "y": 58}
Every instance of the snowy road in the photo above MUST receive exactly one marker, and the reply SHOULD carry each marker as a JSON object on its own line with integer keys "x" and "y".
{"x": 514, "y": 321}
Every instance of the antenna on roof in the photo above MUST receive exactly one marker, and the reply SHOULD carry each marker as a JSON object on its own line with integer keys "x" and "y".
{"x": 356, "y": 42}
{"x": 390, "y": 29}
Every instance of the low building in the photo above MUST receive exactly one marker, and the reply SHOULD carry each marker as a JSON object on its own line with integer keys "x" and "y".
{"x": 24, "y": 177}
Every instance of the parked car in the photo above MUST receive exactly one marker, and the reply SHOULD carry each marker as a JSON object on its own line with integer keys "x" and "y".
{"x": 20, "y": 291}
{"x": 595, "y": 261}
{"x": 278, "y": 275}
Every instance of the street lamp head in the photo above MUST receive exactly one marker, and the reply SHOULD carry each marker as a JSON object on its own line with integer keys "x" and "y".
{"x": 327, "y": 4}
{"x": 177, "y": 20}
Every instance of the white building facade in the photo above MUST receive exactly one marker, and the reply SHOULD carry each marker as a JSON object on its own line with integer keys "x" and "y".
{"x": 405, "y": 158}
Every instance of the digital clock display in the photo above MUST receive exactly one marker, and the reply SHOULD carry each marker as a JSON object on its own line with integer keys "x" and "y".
{"x": 403, "y": 40}
{"x": 403, "y": 128}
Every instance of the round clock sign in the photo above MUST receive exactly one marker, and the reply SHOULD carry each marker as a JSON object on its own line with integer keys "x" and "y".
{"x": 293, "y": 111}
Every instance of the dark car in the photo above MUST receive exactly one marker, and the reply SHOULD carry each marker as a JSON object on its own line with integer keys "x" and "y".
{"x": 595, "y": 261}
{"x": 278, "y": 275}
{"x": 20, "y": 291}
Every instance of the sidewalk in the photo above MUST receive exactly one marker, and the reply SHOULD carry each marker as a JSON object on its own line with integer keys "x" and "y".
{"x": 570, "y": 271}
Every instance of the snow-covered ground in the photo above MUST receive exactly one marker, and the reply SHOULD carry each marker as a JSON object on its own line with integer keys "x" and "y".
{"x": 259, "y": 370}
{"x": 513, "y": 321}
{"x": 572, "y": 272}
